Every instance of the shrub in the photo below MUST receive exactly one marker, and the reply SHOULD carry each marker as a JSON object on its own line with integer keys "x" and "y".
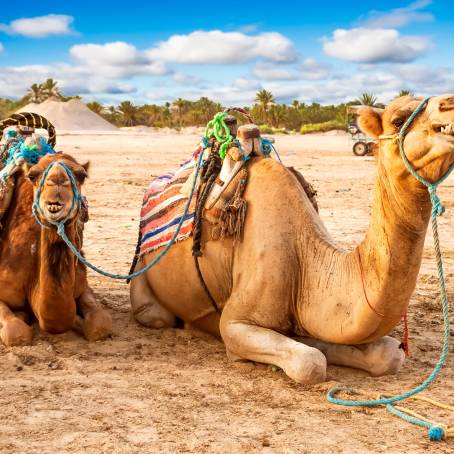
{"x": 322, "y": 127}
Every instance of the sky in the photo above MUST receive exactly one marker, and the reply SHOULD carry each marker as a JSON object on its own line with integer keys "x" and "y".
{"x": 153, "y": 52}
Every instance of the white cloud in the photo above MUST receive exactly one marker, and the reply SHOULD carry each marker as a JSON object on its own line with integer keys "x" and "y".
{"x": 399, "y": 17}
{"x": 218, "y": 47}
{"x": 117, "y": 59}
{"x": 41, "y": 26}
{"x": 364, "y": 45}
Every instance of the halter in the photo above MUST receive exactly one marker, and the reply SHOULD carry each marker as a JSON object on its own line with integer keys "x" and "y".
{"x": 437, "y": 207}
{"x": 75, "y": 202}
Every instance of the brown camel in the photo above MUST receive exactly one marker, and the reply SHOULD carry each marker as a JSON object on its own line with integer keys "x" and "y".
{"x": 39, "y": 276}
{"x": 288, "y": 279}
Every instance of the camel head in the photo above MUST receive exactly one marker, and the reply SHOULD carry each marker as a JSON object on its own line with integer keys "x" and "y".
{"x": 428, "y": 143}
{"x": 56, "y": 199}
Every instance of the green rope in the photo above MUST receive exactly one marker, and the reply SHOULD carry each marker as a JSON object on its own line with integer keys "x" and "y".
{"x": 217, "y": 129}
{"x": 435, "y": 433}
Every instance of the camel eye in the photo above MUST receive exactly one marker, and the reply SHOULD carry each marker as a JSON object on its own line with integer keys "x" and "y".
{"x": 33, "y": 175}
{"x": 398, "y": 122}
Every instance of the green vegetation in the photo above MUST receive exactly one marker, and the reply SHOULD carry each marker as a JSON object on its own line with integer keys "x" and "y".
{"x": 273, "y": 118}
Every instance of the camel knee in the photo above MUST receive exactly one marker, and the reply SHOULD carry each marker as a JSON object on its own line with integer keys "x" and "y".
{"x": 385, "y": 357}
{"x": 15, "y": 333}
{"x": 97, "y": 325}
{"x": 146, "y": 309}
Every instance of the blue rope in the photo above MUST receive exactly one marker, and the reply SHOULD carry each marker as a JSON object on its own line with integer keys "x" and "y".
{"x": 435, "y": 433}
{"x": 61, "y": 224}
{"x": 267, "y": 146}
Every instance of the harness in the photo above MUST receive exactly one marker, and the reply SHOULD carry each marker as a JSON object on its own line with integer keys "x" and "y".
{"x": 436, "y": 431}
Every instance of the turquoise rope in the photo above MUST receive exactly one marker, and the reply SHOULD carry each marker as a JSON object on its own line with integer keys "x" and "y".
{"x": 267, "y": 146}
{"x": 435, "y": 433}
{"x": 61, "y": 225}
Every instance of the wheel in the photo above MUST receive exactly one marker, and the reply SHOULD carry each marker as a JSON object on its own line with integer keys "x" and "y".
{"x": 360, "y": 148}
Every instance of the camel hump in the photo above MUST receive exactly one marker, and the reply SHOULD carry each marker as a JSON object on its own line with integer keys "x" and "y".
{"x": 308, "y": 188}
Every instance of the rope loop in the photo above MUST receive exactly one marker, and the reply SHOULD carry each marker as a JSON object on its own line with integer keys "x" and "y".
{"x": 216, "y": 128}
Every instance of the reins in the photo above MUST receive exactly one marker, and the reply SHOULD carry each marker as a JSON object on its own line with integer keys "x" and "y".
{"x": 77, "y": 199}
{"x": 436, "y": 431}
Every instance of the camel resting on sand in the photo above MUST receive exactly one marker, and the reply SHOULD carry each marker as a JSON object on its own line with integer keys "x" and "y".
{"x": 39, "y": 276}
{"x": 287, "y": 278}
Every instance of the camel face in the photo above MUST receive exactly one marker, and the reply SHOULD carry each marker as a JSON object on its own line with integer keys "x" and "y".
{"x": 429, "y": 142}
{"x": 57, "y": 193}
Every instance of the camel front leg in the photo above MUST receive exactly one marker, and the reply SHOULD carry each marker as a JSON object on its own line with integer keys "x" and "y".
{"x": 247, "y": 341}
{"x": 14, "y": 331}
{"x": 96, "y": 322}
{"x": 382, "y": 357}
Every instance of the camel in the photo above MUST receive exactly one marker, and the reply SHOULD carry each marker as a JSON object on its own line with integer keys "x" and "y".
{"x": 39, "y": 276}
{"x": 288, "y": 295}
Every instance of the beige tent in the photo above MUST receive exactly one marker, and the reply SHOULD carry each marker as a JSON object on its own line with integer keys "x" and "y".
{"x": 69, "y": 115}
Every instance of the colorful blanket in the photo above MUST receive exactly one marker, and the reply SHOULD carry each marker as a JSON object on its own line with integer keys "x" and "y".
{"x": 162, "y": 208}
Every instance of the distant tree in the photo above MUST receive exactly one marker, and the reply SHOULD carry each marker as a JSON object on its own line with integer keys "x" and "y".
{"x": 129, "y": 113}
{"x": 50, "y": 89}
{"x": 35, "y": 93}
{"x": 265, "y": 100}
{"x": 296, "y": 104}
{"x": 179, "y": 106}
{"x": 367, "y": 99}
{"x": 96, "y": 107}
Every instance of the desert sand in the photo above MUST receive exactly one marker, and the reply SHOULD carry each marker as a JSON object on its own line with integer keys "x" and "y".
{"x": 173, "y": 391}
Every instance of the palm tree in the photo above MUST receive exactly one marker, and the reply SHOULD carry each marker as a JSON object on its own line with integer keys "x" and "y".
{"x": 265, "y": 100}
{"x": 296, "y": 104}
{"x": 50, "y": 89}
{"x": 96, "y": 107}
{"x": 367, "y": 99}
{"x": 179, "y": 105}
{"x": 35, "y": 93}
{"x": 129, "y": 112}
{"x": 404, "y": 93}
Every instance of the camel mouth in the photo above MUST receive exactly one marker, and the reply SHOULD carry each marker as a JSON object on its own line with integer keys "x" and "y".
{"x": 54, "y": 207}
{"x": 443, "y": 128}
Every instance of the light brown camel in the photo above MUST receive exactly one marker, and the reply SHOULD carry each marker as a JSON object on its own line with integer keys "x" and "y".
{"x": 39, "y": 276}
{"x": 287, "y": 278}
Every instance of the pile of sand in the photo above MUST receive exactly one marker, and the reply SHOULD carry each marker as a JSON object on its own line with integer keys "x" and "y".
{"x": 70, "y": 115}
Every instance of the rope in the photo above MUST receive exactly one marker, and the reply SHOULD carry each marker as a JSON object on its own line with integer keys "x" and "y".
{"x": 61, "y": 224}
{"x": 435, "y": 432}
{"x": 267, "y": 145}
{"x": 217, "y": 129}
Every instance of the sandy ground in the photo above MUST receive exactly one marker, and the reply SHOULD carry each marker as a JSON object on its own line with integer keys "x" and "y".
{"x": 174, "y": 391}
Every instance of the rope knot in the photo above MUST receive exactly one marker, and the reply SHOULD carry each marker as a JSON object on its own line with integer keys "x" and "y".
{"x": 436, "y": 433}
{"x": 437, "y": 207}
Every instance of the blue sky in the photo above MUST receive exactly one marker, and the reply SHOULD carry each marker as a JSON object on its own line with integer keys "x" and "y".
{"x": 158, "y": 51}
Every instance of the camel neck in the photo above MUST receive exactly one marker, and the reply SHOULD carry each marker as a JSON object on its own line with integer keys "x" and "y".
{"x": 366, "y": 291}
{"x": 390, "y": 254}
{"x": 53, "y": 300}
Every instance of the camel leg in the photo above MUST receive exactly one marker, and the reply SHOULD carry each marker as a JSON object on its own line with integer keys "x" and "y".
{"x": 145, "y": 307}
{"x": 96, "y": 322}
{"x": 14, "y": 331}
{"x": 247, "y": 341}
{"x": 382, "y": 357}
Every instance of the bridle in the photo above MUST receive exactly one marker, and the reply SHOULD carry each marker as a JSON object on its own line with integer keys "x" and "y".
{"x": 399, "y": 137}
{"x": 75, "y": 203}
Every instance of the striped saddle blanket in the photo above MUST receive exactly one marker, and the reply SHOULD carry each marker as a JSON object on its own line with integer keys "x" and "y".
{"x": 163, "y": 207}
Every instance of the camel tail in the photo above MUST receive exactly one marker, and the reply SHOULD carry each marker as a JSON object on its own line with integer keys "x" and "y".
{"x": 32, "y": 120}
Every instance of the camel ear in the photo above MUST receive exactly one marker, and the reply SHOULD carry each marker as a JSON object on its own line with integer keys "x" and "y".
{"x": 370, "y": 122}
{"x": 86, "y": 166}
{"x": 80, "y": 173}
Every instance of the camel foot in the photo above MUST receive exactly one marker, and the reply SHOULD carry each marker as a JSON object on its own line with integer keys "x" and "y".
{"x": 385, "y": 357}
{"x": 382, "y": 357}
{"x": 97, "y": 325}
{"x": 15, "y": 333}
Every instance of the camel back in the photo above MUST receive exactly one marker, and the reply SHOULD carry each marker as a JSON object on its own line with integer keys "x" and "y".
{"x": 32, "y": 120}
